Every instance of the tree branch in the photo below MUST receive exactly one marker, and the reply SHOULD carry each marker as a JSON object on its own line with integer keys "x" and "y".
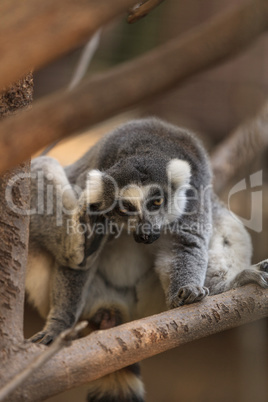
{"x": 141, "y": 9}
{"x": 105, "y": 95}
{"x": 137, "y": 340}
{"x": 35, "y": 32}
{"x": 240, "y": 148}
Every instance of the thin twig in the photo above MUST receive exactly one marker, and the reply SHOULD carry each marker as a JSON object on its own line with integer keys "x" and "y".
{"x": 141, "y": 9}
{"x": 85, "y": 59}
{"x": 63, "y": 340}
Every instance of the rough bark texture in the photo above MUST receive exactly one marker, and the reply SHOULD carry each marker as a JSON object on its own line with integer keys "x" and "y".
{"x": 13, "y": 230}
{"x": 129, "y": 84}
{"x": 34, "y": 32}
{"x": 120, "y": 346}
{"x": 18, "y": 96}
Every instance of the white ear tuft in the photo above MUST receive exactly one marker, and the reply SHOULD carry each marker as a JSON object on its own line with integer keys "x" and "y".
{"x": 94, "y": 186}
{"x": 179, "y": 172}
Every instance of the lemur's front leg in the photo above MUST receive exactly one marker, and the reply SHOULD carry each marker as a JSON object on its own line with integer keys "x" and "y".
{"x": 187, "y": 270}
{"x": 67, "y": 299}
{"x": 182, "y": 268}
{"x": 69, "y": 286}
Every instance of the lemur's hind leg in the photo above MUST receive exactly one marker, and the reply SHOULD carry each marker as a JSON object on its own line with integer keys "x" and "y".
{"x": 257, "y": 273}
{"x": 230, "y": 255}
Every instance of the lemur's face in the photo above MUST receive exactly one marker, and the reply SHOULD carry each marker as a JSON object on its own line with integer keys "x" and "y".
{"x": 140, "y": 208}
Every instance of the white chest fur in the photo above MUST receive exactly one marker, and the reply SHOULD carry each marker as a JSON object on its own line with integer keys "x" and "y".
{"x": 123, "y": 261}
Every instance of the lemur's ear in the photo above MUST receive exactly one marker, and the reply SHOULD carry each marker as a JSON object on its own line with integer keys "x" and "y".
{"x": 179, "y": 172}
{"x": 94, "y": 186}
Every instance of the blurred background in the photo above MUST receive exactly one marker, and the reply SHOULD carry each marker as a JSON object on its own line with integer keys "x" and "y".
{"x": 232, "y": 365}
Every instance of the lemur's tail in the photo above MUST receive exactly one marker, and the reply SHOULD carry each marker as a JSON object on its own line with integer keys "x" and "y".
{"x": 124, "y": 385}
{"x": 121, "y": 386}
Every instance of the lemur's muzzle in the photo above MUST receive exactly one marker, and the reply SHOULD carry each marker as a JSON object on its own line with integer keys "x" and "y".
{"x": 145, "y": 233}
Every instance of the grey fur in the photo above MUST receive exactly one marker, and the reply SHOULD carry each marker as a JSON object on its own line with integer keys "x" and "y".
{"x": 188, "y": 252}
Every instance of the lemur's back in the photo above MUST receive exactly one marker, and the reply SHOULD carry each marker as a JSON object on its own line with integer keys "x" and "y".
{"x": 139, "y": 141}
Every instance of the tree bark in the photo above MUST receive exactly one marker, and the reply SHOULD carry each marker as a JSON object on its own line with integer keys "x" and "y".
{"x": 105, "y": 95}
{"x": 13, "y": 230}
{"x": 118, "y": 347}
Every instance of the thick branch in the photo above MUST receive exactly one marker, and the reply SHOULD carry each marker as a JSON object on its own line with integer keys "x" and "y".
{"x": 34, "y": 32}
{"x": 105, "y": 95}
{"x": 141, "y": 9}
{"x": 137, "y": 340}
{"x": 240, "y": 148}
{"x": 13, "y": 229}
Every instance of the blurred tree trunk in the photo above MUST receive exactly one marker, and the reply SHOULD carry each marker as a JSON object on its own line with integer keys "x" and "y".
{"x": 13, "y": 228}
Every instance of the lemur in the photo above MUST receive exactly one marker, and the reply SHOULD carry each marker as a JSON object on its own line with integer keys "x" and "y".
{"x": 131, "y": 228}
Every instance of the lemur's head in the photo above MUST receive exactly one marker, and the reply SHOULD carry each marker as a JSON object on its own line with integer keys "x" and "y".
{"x": 141, "y": 194}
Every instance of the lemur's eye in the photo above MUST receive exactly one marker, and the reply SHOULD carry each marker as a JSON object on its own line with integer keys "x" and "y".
{"x": 94, "y": 207}
{"x": 155, "y": 204}
{"x": 125, "y": 208}
{"x": 158, "y": 202}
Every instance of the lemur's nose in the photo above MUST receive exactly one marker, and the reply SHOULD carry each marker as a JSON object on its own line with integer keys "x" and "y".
{"x": 146, "y": 233}
{"x": 146, "y": 238}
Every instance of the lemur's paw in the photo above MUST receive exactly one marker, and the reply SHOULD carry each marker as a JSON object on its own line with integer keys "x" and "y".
{"x": 189, "y": 294}
{"x": 44, "y": 337}
{"x": 85, "y": 232}
{"x": 76, "y": 251}
{"x": 75, "y": 243}
{"x": 106, "y": 318}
